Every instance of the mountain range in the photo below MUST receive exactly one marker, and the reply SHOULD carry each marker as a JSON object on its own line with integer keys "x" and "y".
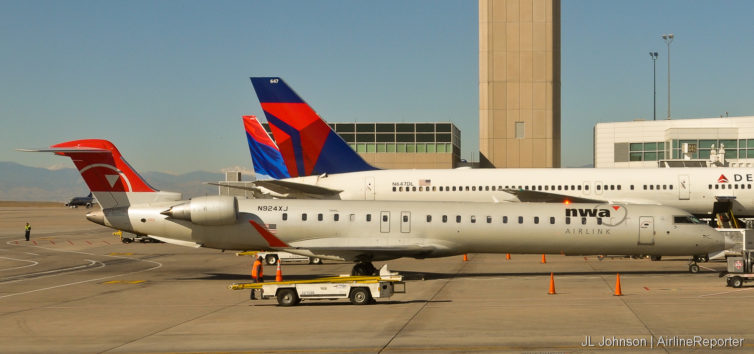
{"x": 24, "y": 183}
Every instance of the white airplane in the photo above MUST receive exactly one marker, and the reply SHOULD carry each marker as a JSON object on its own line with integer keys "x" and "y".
{"x": 365, "y": 231}
{"x": 322, "y": 166}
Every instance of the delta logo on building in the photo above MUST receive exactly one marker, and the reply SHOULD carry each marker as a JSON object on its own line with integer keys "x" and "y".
{"x": 722, "y": 179}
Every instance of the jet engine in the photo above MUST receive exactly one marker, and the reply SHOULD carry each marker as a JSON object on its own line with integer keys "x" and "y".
{"x": 209, "y": 210}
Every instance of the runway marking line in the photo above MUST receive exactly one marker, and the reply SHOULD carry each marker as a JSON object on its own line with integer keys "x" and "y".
{"x": 120, "y": 254}
{"x": 124, "y": 282}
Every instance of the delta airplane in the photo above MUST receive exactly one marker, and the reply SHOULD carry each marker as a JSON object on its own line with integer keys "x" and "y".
{"x": 366, "y": 231}
{"x": 322, "y": 166}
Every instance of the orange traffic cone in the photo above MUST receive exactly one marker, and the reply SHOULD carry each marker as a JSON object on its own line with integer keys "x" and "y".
{"x": 278, "y": 273}
{"x": 465, "y": 257}
{"x": 617, "y": 286}
{"x": 544, "y": 260}
{"x": 552, "y": 285}
{"x": 508, "y": 256}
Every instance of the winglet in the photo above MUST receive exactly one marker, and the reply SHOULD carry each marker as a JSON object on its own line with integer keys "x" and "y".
{"x": 268, "y": 236}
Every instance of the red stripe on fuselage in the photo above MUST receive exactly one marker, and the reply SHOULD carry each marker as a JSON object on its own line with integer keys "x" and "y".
{"x": 269, "y": 237}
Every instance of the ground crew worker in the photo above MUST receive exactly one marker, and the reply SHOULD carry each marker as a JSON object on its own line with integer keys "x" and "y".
{"x": 28, "y": 231}
{"x": 257, "y": 274}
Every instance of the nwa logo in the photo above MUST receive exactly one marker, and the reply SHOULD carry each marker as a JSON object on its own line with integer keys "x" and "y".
{"x": 610, "y": 215}
{"x": 736, "y": 178}
{"x": 599, "y": 213}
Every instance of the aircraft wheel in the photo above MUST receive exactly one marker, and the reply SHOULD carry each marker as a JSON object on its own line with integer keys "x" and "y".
{"x": 127, "y": 240}
{"x": 287, "y": 297}
{"x": 694, "y": 268}
{"x": 315, "y": 260}
{"x": 360, "y": 296}
{"x": 271, "y": 259}
{"x": 655, "y": 258}
{"x": 736, "y": 282}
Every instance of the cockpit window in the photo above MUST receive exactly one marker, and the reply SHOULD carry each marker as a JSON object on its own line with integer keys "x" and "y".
{"x": 686, "y": 219}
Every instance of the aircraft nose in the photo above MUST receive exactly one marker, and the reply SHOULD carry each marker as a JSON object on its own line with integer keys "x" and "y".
{"x": 97, "y": 217}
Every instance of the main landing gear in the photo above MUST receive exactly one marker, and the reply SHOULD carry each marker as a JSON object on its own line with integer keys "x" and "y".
{"x": 364, "y": 268}
{"x": 693, "y": 267}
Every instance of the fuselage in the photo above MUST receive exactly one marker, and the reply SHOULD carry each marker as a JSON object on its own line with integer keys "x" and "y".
{"x": 691, "y": 189}
{"x": 378, "y": 230}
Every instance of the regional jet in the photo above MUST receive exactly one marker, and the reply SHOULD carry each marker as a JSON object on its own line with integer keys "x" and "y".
{"x": 366, "y": 231}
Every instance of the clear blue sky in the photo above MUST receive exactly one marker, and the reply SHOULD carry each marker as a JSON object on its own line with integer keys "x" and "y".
{"x": 167, "y": 81}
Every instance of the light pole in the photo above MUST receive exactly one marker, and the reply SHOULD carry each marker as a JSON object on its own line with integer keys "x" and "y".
{"x": 668, "y": 39}
{"x": 653, "y": 55}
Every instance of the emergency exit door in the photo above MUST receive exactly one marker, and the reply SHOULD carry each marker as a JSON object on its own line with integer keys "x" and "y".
{"x": 384, "y": 221}
{"x": 405, "y": 221}
{"x": 646, "y": 230}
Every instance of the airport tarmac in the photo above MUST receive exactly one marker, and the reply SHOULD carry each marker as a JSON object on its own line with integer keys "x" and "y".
{"x": 75, "y": 288}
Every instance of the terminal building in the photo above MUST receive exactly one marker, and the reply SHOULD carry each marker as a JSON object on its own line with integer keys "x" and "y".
{"x": 701, "y": 142}
{"x": 402, "y": 145}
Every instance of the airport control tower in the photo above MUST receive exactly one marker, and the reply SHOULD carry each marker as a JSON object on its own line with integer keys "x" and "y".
{"x": 519, "y": 83}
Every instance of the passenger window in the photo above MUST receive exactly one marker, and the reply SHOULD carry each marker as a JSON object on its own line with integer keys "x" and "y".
{"x": 400, "y": 189}
{"x": 454, "y": 188}
{"x": 421, "y": 189}
{"x": 429, "y": 218}
{"x": 536, "y": 219}
{"x": 413, "y": 189}
{"x": 336, "y": 217}
{"x": 369, "y": 217}
{"x": 467, "y": 188}
{"x": 520, "y": 219}
{"x": 645, "y": 187}
{"x": 351, "y": 217}
{"x": 505, "y": 219}
{"x": 285, "y": 216}
{"x": 632, "y": 187}
{"x": 473, "y": 219}
{"x": 394, "y": 189}
{"x": 598, "y": 187}
{"x": 568, "y": 221}
{"x": 599, "y": 221}
{"x": 560, "y": 188}
{"x": 444, "y": 218}
{"x": 709, "y": 186}
{"x": 489, "y": 219}
{"x": 586, "y": 188}
{"x": 473, "y": 188}
{"x": 552, "y": 220}
{"x": 319, "y": 217}
{"x": 619, "y": 187}
{"x": 303, "y": 217}
{"x": 487, "y": 188}
{"x": 583, "y": 221}
{"x": 405, "y": 218}
{"x": 458, "y": 218}
{"x": 384, "y": 218}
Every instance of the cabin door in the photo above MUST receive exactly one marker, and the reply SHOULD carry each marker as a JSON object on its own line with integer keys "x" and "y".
{"x": 646, "y": 230}
{"x": 684, "y": 187}
{"x": 384, "y": 221}
{"x": 369, "y": 188}
{"x": 405, "y": 221}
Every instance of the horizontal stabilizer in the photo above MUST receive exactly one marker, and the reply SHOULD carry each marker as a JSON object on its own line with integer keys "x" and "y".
{"x": 528, "y": 196}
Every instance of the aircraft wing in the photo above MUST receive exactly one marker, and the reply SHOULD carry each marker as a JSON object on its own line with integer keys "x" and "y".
{"x": 355, "y": 248}
{"x": 286, "y": 189}
{"x": 547, "y": 197}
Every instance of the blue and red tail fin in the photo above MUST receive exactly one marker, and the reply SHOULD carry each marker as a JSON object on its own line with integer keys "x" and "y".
{"x": 267, "y": 160}
{"x": 307, "y": 143}
{"x": 112, "y": 181}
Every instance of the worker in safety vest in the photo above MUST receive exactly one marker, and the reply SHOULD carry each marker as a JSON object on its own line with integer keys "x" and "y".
{"x": 256, "y": 273}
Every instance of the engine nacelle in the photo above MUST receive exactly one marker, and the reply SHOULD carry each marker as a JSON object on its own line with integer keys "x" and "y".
{"x": 210, "y": 210}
